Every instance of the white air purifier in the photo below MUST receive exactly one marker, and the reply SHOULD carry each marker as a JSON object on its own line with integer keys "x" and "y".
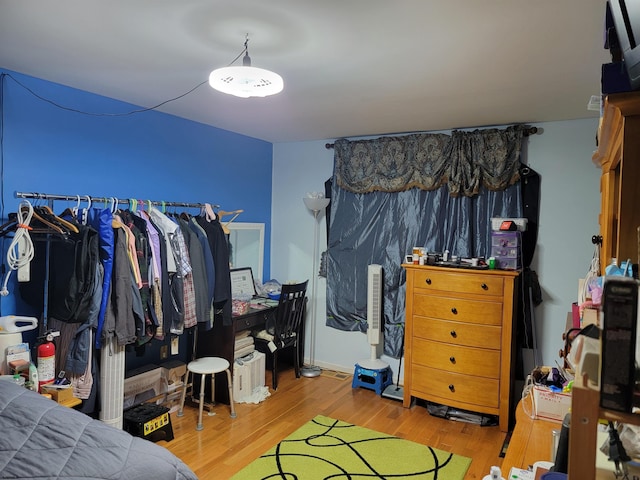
{"x": 374, "y": 317}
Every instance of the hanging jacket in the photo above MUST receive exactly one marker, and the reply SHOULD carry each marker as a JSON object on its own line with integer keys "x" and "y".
{"x": 220, "y": 252}
{"x": 101, "y": 220}
{"x": 72, "y": 263}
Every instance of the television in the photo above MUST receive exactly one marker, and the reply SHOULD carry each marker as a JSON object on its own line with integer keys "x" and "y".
{"x": 626, "y": 20}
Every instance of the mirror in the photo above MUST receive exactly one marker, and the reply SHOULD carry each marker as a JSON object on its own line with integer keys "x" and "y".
{"x": 246, "y": 246}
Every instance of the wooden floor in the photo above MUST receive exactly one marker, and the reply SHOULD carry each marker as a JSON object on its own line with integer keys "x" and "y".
{"x": 226, "y": 445}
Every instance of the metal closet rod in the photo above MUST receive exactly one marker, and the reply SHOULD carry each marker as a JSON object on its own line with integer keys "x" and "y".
{"x": 86, "y": 198}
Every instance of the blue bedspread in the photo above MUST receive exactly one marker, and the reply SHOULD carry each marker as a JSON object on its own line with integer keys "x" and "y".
{"x": 40, "y": 439}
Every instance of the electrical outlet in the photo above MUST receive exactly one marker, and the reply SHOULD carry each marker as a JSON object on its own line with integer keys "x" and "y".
{"x": 164, "y": 352}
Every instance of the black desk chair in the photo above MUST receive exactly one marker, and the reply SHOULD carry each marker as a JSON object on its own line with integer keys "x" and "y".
{"x": 285, "y": 332}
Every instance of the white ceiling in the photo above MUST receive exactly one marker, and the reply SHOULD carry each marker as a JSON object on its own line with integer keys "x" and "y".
{"x": 350, "y": 67}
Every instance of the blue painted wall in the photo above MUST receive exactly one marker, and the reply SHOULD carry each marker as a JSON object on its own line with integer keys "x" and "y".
{"x": 148, "y": 155}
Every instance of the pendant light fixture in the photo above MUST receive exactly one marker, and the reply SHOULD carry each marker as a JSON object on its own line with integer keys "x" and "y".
{"x": 246, "y": 81}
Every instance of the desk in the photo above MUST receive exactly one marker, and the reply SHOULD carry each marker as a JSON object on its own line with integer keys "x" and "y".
{"x": 530, "y": 442}
{"x": 220, "y": 342}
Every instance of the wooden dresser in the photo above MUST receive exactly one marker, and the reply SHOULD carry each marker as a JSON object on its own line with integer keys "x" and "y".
{"x": 459, "y": 338}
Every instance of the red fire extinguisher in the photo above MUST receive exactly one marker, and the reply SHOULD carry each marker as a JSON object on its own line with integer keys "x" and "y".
{"x": 47, "y": 359}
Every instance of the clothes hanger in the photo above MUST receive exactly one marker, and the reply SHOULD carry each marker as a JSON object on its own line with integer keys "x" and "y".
{"x": 208, "y": 213}
{"x": 9, "y": 226}
{"x": 46, "y": 215}
{"x": 45, "y": 225}
{"x": 84, "y": 213}
{"x": 71, "y": 213}
{"x": 225, "y": 225}
{"x": 64, "y": 223}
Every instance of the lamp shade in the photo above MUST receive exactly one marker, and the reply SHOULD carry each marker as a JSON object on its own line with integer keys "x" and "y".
{"x": 246, "y": 81}
{"x": 316, "y": 204}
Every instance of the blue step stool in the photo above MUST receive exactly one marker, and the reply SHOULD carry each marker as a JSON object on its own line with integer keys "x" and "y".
{"x": 373, "y": 379}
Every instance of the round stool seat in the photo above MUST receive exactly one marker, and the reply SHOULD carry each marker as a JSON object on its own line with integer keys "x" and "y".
{"x": 208, "y": 365}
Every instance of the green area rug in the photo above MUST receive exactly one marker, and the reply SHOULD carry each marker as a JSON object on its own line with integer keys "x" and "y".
{"x": 325, "y": 448}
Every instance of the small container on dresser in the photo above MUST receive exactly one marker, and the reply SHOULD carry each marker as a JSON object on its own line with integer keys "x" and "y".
{"x": 506, "y": 248}
{"x": 459, "y": 337}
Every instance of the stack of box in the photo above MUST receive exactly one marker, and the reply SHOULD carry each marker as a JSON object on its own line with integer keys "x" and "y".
{"x": 506, "y": 249}
{"x": 173, "y": 373}
{"x": 506, "y": 242}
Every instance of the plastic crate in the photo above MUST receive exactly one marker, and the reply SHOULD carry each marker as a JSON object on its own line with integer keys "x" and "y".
{"x": 505, "y": 239}
{"x": 513, "y": 252}
{"x": 507, "y": 263}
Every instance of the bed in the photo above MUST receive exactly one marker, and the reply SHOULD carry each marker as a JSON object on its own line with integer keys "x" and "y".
{"x": 40, "y": 439}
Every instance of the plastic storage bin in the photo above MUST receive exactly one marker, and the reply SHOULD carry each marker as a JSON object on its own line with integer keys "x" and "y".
{"x": 505, "y": 239}
{"x": 505, "y": 247}
{"x": 513, "y": 252}
{"x": 507, "y": 263}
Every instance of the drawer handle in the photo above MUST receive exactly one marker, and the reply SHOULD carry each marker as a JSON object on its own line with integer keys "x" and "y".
{"x": 484, "y": 286}
{"x": 428, "y": 281}
{"x": 453, "y": 333}
{"x": 454, "y": 310}
{"x": 451, "y": 387}
{"x": 452, "y": 359}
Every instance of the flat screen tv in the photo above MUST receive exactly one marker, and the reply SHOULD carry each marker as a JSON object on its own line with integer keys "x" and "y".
{"x": 626, "y": 20}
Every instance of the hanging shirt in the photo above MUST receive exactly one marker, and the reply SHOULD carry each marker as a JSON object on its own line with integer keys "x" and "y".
{"x": 209, "y": 266}
{"x": 200, "y": 284}
{"x": 154, "y": 244}
{"x": 168, "y": 229}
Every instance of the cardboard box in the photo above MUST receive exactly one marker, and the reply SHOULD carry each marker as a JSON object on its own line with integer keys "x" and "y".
{"x": 59, "y": 393}
{"x": 143, "y": 384}
{"x": 173, "y": 371}
{"x": 550, "y": 405}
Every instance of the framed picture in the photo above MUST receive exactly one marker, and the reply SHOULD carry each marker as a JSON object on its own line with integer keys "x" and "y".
{"x": 242, "y": 282}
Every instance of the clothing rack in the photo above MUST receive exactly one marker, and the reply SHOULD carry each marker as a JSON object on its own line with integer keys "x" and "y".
{"x": 108, "y": 200}
{"x": 95, "y": 200}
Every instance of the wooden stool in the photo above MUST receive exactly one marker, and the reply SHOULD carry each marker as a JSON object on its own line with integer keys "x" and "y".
{"x": 208, "y": 366}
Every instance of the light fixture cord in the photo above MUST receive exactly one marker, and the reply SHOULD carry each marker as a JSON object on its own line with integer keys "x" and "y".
{"x": 245, "y": 51}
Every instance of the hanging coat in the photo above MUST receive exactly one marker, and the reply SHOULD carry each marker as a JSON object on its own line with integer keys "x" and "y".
{"x": 101, "y": 221}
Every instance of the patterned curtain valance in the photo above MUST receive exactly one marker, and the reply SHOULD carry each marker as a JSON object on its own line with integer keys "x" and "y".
{"x": 463, "y": 160}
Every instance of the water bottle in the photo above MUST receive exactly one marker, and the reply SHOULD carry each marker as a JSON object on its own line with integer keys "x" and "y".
{"x": 613, "y": 268}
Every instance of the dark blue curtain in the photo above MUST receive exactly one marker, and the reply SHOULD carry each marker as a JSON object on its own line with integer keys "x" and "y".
{"x": 384, "y": 220}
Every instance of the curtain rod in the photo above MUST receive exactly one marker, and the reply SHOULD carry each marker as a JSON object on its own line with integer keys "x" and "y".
{"x": 526, "y": 133}
{"x": 87, "y": 198}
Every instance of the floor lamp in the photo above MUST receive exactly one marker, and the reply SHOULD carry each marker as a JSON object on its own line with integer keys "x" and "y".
{"x": 316, "y": 205}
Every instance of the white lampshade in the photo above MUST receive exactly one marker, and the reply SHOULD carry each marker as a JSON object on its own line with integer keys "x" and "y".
{"x": 316, "y": 204}
{"x": 246, "y": 81}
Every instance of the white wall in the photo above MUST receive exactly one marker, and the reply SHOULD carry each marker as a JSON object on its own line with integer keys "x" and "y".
{"x": 569, "y": 208}
{"x": 299, "y": 168}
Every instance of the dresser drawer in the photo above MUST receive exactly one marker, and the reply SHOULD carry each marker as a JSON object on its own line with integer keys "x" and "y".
{"x": 457, "y": 333}
{"x": 249, "y": 321}
{"x": 430, "y": 382}
{"x": 462, "y": 282}
{"x": 454, "y": 358}
{"x": 458, "y": 309}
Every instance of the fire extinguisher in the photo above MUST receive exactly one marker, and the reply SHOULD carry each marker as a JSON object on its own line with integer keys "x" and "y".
{"x": 47, "y": 358}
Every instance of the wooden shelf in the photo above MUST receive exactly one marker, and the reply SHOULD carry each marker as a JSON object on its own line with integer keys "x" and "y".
{"x": 617, "y": 155}
{"x": 585, "y": 414}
